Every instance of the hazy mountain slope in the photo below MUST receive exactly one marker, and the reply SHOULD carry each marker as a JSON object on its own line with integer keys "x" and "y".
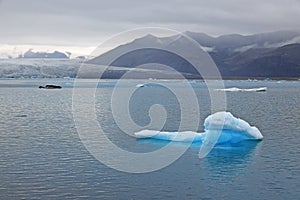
{"x": 260, "y": 55}
{"x": 281, "y": 62}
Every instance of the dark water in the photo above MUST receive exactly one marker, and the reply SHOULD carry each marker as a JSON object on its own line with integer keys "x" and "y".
{"x": 43, "y": 157}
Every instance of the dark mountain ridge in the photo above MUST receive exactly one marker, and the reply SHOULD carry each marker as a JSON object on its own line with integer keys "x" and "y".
{"x": 265, "y": 55}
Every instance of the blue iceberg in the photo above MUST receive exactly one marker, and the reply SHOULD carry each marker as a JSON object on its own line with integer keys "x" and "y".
{"x": 220, "y": 128}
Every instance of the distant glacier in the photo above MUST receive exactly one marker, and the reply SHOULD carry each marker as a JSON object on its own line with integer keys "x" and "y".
{"x": 39, "y": 68}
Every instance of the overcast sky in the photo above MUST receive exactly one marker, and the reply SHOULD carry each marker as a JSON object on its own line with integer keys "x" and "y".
{"x": 89, "y": 22}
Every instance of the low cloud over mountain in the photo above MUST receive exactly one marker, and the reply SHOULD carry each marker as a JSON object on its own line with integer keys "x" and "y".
{"x": 267, "y": 55}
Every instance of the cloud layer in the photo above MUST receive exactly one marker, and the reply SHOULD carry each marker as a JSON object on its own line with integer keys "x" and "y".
{"x": 89, "y": 22}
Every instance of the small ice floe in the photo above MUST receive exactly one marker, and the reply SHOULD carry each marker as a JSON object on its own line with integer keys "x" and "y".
{"x": 140, "y": 85}
{"x": 235, "y": 89}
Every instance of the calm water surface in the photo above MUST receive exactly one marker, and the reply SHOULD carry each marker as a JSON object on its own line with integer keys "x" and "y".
{"x": 43, "y": 157}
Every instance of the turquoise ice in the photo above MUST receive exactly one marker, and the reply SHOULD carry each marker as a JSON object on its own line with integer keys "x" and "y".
{"x": 223, "y": 125}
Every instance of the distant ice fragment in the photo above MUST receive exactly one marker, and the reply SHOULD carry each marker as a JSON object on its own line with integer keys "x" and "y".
{"x": 235, "y": 89}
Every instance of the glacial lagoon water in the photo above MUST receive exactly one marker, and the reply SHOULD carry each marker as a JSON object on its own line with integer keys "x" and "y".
{"x": 42, "y": 155}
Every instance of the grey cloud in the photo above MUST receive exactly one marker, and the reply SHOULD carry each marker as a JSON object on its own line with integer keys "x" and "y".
{"x": 87, "y": 22}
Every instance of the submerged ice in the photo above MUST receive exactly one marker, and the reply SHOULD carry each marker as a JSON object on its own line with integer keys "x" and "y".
{"x": 229, "y": 128}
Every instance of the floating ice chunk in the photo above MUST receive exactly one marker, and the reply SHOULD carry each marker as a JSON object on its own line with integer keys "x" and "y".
{"x": 235, "y": 89}
{"x": 231, "y": 129}
{"x": 226, "y": 121}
